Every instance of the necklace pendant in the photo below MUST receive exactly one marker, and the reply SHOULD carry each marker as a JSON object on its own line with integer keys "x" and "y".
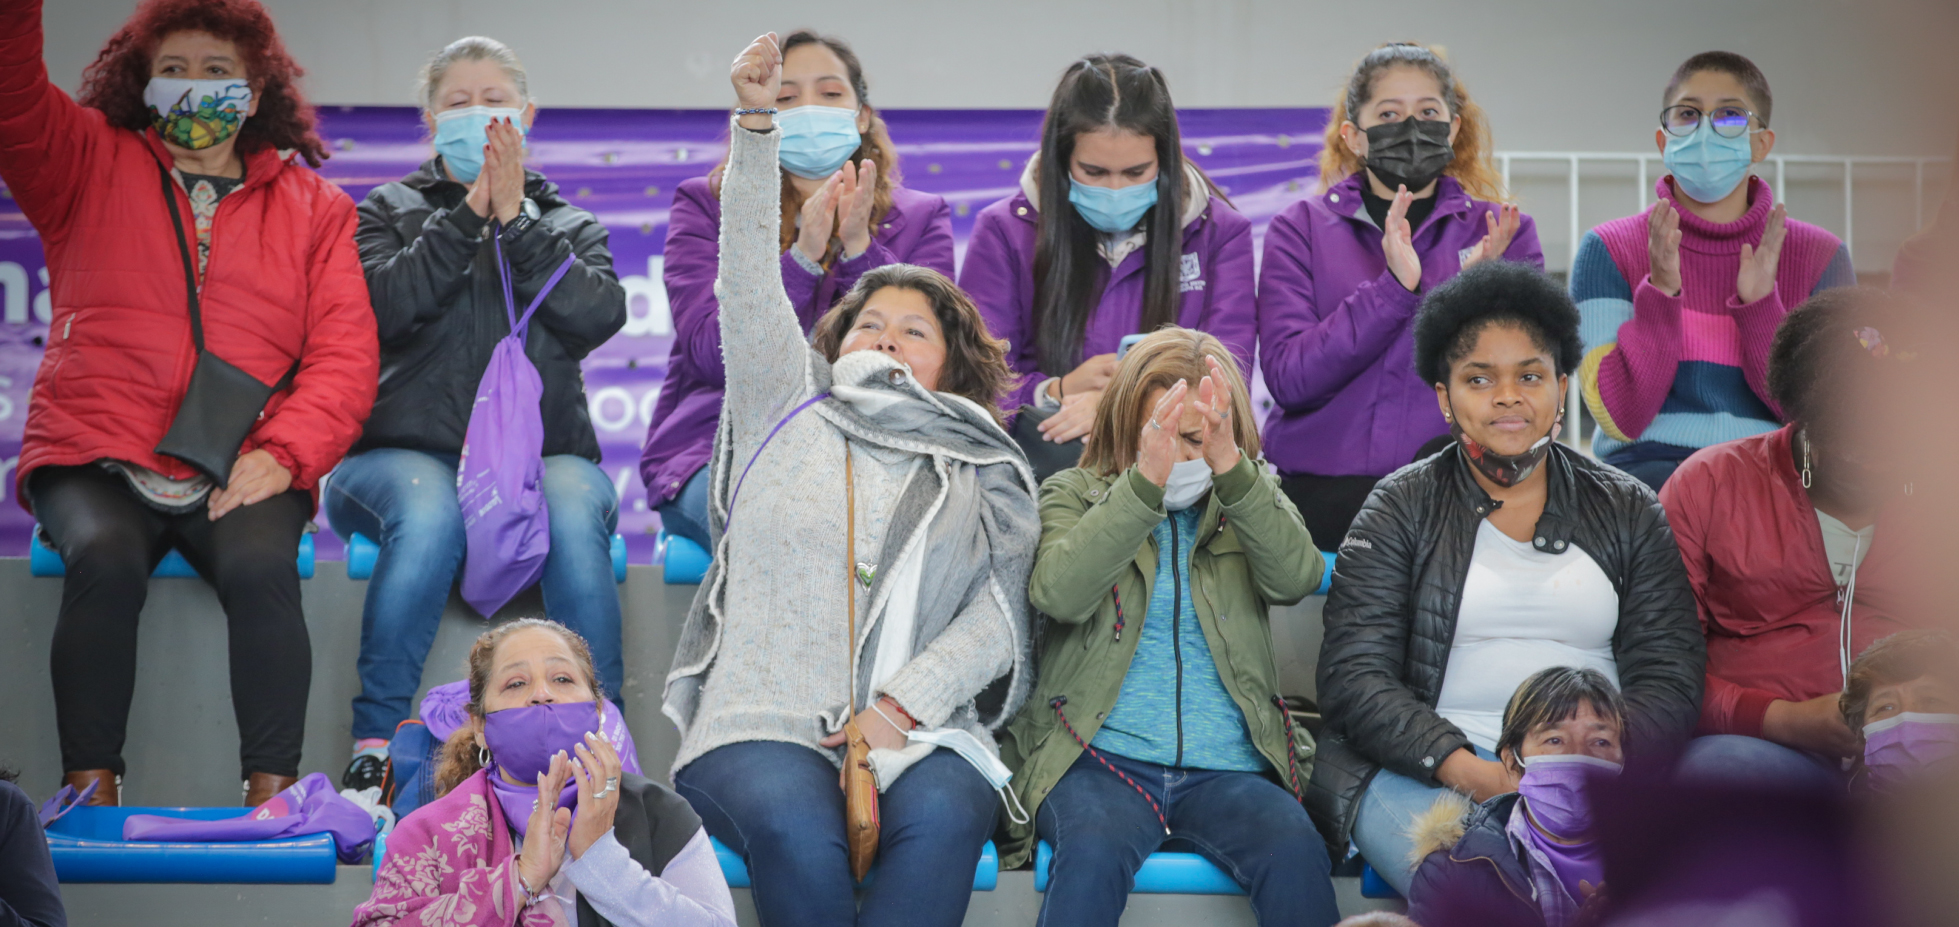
{"x": 866, "y": 572}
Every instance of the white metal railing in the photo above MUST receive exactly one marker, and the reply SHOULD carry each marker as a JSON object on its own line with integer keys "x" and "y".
{"x": 1575, "y": 161}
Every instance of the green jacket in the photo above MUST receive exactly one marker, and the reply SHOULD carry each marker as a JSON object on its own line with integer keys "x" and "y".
{"x": 1252, "y": 552}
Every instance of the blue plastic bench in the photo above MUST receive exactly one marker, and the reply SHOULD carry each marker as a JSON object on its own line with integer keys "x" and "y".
{"x": 686, "y": 561}
{"x": 361, "y": 554}
{"x": 1326, "y": 577}
{"x": 1162, "y": 874}
{"x": 1373, "y": 886}
{"x": 733, "y": 868}
{"x": 43, "y": 561}
{"x": 87, "y": 846}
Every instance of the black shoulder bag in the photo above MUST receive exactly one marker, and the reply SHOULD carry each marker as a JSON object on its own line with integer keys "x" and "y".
{"x": 222, "y": 402}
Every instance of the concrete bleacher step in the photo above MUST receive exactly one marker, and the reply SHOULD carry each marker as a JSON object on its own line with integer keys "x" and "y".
{"x": 1013, "y": 903}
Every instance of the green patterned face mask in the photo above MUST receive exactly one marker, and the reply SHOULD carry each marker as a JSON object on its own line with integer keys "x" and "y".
{"x": 197, "y": 114}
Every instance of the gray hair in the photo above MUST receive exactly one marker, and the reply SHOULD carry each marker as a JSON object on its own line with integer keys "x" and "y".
{"x": 471, "y": 48}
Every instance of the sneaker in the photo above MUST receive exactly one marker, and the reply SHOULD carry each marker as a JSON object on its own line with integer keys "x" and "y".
{"x": 365, "y": 772}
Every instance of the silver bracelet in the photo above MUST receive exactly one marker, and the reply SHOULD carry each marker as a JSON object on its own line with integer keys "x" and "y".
{"x": 758, "y": 111}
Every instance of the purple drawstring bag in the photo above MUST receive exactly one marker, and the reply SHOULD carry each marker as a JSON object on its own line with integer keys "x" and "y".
{"x": 444, "y": 711}
{"x": 500, "y": 480}
{"x": 310, "y": 806}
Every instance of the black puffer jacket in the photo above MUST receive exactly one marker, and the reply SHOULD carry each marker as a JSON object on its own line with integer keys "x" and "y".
{"x": 432, "y": 275}
{"x": 1391, "y": 619}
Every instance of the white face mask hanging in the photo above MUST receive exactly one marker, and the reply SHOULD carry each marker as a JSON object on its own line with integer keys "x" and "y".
{"x": 889, "y": 764}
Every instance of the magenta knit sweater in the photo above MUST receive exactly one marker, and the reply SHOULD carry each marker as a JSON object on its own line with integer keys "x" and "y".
{"x": 1690, "y": 370}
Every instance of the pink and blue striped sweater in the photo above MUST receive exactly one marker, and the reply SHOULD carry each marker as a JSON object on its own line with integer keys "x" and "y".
{"x": 1691, "y": 370}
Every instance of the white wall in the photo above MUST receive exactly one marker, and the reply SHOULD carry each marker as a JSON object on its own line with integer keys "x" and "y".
{"x": 1851, "y": 77}
{"x": 1874, "y": 77}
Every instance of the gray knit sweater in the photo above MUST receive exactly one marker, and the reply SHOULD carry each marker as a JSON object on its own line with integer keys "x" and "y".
{"x": 764, "y": 655}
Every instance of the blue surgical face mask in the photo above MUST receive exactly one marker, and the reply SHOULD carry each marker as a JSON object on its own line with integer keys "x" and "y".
{"x": 1109, "y": 210}
{"x": 1706, "y": 165}
{"x": 460, "y": 135}
{"x": 816, "y": 140}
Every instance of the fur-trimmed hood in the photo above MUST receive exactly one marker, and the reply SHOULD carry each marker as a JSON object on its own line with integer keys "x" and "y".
{"x": 1440, "y": 826}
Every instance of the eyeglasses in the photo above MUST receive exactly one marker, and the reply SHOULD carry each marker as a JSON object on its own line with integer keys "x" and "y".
{"x": 1728, "y": 121}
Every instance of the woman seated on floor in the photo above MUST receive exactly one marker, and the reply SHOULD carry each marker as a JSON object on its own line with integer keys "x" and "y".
{"x": 537, "y": 824}
{"x": 1527, "y": 857}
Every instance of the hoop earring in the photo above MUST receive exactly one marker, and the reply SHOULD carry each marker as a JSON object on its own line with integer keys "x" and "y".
{"x": 1908, "y": 488}
{"x": 1806, "y": 477}
{"x": 483, "y": 757}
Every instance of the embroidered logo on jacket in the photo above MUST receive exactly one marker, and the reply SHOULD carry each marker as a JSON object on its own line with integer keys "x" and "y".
{"x": 1355, "y": 540}
{"x": 1190, "y": 275}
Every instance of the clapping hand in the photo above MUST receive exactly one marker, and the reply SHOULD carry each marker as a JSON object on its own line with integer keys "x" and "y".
{"x": 856, "y": 197}
{"x": 1398, "y": 242}
{"x": 598, "y": 771}
{"x": 1214, "y": 404}
{"x": 1161, "y": 445}
{"x": 1663, "y": 248}
{"x": 503, "y": 168}
{"x": 544, "y": 844}
{"x": 1756, "y": 279}
{"x": 1503, "y": 224}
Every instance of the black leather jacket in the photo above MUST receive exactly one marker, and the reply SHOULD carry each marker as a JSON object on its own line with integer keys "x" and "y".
{"x": 1391, "y": 619}
{"x": 438, "y": 302}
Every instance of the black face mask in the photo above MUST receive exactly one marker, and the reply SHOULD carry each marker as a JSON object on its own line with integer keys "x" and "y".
{"x": 1412, "y": 152}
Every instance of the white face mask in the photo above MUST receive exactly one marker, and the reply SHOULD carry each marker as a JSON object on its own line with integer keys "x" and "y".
{"x": 969, "y": 747}
{"x": 1189, "y": 481}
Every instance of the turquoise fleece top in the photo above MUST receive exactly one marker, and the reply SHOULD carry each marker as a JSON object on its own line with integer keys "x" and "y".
{"x": 1173, "y": 709}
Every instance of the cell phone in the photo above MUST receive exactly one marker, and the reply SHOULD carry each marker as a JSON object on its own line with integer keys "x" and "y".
{"x": 1127, "y": 342}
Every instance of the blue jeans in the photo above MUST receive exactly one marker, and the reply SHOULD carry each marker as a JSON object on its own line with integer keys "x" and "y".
{"x": 1736, "y": 759}
{"x": 1387, "y": 808}
{"x": 405, "y": 500}
{"x": 685, "y": 515}
{"x": 778, "y": 805}
{"x": 1102, "y": 829}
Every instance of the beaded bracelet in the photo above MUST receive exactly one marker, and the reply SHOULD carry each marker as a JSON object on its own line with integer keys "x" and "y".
{"x": 758, "y": 111}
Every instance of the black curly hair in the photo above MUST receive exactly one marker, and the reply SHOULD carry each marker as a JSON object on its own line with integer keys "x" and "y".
{"x": 1495, "y": 293}
{"x": 1817, "y": 348}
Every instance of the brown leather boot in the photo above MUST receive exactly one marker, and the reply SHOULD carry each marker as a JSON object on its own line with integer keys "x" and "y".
{"x": 260, "y": 788}
{"x": 108, "y": 788}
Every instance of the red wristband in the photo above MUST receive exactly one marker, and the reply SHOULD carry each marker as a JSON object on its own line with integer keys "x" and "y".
{"x": 888, "y": 700}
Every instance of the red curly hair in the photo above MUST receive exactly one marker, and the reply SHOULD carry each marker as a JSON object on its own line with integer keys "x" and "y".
{"x": 114, "y": 83}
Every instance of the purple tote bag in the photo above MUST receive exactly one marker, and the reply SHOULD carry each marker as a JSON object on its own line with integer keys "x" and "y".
{"x": 500, "y": 481}
{"x": 310, "y": 806}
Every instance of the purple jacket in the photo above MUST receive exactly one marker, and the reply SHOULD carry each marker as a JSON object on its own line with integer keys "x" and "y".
{"x": 917, "y": 230}
{"x": 1217, "y": 287}
{"x": 1336, "y": 334}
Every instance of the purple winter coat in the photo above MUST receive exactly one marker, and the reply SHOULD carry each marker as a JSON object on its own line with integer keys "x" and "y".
{"x": 1336, "y": 332}
{"x": 998, "y": 274}
{"x": 917, "y": 230}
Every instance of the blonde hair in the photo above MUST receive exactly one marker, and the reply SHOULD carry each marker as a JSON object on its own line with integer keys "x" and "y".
{"x": 460, "y": 759}
{"x": 471, "y": 48}
{"x": 1157, "y": 362}
{"x": 1472, "y": 166}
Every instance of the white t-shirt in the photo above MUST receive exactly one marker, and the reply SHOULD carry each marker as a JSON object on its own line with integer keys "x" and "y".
{"x": 1523, "y": 611}
{"x": 1844, "y": 548}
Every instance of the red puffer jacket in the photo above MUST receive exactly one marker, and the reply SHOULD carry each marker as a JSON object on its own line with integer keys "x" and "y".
{"x": 284, "y": 282}
{"x": 1768, "y": 603}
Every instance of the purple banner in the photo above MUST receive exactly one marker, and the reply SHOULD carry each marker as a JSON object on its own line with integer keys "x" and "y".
{"x": 623, "y": 165}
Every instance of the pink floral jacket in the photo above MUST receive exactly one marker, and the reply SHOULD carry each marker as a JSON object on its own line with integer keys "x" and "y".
{"x": 451, "y": 864}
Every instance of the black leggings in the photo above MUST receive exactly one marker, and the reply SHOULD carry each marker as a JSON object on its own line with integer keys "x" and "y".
{"x": 110, "y": 541}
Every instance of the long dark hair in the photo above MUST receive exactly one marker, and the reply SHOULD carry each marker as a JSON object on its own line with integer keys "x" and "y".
{"x": 1108, "y": 91}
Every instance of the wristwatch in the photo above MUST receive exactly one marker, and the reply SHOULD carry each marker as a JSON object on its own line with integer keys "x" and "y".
{"x": 527, "y": 216}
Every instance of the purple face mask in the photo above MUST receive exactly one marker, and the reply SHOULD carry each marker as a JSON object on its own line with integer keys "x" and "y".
{"x": 522, "y": 742}
{"x": 1553, "y": 789}
{"x": 1907, "y": 745}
